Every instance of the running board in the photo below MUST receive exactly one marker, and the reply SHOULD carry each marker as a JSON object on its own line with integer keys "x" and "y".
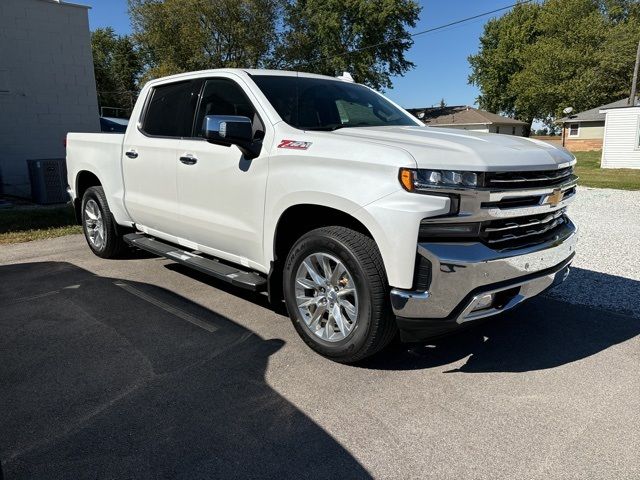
{"x": 221, "y": 271}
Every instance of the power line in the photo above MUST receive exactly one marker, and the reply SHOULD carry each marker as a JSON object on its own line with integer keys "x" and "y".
{"x": 429, "y": 30}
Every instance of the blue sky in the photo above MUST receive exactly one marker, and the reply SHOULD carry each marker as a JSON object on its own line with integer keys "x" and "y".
{"x": 440, "y": 57}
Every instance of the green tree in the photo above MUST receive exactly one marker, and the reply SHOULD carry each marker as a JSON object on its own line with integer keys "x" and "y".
{"x": 309, "y": 35}
{"x": 117, "y": 67}
{"x": 183, "y": 35}
{"x": 501, "y": 57}
{"x": 540, "y": 58}
{"x": 368, "y": 38}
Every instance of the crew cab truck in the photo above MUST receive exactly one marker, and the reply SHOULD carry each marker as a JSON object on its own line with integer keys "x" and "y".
{"x": 328, "y": 196}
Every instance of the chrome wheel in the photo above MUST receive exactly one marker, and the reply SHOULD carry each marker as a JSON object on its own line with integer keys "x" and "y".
{"x": 326, "y": 297}
{"x": 94, "y": 224}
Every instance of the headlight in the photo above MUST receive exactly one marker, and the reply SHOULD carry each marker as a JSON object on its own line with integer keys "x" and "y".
{"x": 422, "y": 179}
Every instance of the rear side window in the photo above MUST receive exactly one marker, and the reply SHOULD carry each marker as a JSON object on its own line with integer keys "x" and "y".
{"x": 171, "y": 109}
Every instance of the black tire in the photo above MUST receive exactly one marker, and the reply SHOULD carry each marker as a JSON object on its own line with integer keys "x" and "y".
{"x": 375, "y": 327}
{"x": 113, "y": 245}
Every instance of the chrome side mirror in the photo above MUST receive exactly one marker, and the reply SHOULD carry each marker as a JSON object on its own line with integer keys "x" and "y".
{"x": 232, "y": 130}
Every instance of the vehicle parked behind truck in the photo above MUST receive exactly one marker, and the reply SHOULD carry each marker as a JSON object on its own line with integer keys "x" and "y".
{"x": 328, "y": 196}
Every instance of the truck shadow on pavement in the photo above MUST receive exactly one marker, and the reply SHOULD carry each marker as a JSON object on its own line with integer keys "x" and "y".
{"x": 104, "y": 378}
{"x": 545, "y": 332}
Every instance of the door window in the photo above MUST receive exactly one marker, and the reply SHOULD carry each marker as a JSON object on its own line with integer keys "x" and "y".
{"x": 171, "y": 109}
{"x": 222, "y": 96}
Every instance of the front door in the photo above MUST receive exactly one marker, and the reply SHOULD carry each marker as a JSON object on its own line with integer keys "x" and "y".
{"x": 221, "y": 194}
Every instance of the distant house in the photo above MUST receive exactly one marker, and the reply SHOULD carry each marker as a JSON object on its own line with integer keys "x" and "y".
{"x": 621, "y": 145}
{"x": 468, "y": 118}
{"x": 585, "y": 130}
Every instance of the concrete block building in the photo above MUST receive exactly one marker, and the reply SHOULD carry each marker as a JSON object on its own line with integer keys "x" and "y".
{"x": 47, "y": 84}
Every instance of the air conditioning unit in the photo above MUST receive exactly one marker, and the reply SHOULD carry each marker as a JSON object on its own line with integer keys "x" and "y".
{"x": 48, "y": 180}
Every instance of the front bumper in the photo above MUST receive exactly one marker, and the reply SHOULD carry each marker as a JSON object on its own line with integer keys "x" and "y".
{"x": 463, "y": 273}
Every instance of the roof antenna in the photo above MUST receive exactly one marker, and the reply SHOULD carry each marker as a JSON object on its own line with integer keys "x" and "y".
{"x": 346, "y": 77}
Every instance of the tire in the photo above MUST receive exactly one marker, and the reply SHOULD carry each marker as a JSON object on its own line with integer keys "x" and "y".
{"x": 347, "y": 340}
{"x": 94, "y": 204}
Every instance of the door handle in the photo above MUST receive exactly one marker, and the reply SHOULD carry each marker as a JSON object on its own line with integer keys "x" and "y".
{"x": 131, "y": 154}
{"x": 188, "y": 159}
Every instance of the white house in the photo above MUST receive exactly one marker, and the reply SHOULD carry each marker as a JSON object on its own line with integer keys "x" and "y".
{"x": 584, "y": 131}
{"x": 47, "y": 85}
{"x": 621, "y": 145}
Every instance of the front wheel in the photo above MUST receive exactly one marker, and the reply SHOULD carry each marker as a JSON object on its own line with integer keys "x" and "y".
{"x": 100, "y": 229}
{"x": 337, "y": 295}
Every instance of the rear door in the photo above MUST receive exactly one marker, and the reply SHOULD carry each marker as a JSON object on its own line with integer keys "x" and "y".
{"x": 221, "y": 193}
{"x": 150, "y": 155}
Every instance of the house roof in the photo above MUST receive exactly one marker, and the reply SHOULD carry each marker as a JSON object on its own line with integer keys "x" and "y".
{"x": 594, "y": 114}
{"x": 461, "y": 115}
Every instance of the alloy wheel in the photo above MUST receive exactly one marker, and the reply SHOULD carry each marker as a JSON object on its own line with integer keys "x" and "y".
{"x": 326, "y": 297}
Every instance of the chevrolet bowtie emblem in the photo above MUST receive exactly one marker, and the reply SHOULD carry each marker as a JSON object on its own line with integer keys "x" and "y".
{"x": 555, "y": 198}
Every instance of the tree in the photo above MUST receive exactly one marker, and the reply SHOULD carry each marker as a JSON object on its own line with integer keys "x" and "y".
{"x": 442, "y": 103}
{"x": 500, "y": 58}
{"x": 308, "y": 35}
{"x": 117, "y": 67}
{"x": 183, "y": 35}
{"x": 540, "y": 58}
{"x": 368, "y": 38}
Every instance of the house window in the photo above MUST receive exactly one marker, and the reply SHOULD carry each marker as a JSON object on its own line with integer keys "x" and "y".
{"x": 574, "y": 128}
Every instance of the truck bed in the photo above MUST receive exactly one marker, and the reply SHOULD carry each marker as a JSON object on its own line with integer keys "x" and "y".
{"x": 100, "y": 154}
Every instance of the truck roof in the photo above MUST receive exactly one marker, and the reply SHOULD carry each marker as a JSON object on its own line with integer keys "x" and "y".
{"x": 249, "y": 71}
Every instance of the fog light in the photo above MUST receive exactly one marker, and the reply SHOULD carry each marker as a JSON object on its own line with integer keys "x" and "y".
{"x": 483, "y": 302}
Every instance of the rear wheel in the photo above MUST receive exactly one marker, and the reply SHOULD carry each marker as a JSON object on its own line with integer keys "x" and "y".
{"x": 337, "y": 295}
{"x": 100, "y": 229}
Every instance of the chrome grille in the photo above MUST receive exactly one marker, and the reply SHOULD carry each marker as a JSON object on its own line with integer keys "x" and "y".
{"x": 521, "y": 230}
{"x": 531, "y": 179}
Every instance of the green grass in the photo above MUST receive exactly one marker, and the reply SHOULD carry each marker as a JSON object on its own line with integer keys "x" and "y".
{"x": 23, "y": 224}
{"x": 591, "y": 175}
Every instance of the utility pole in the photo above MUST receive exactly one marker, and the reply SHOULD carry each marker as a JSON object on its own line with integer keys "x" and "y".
{"x": 634, "y": 84}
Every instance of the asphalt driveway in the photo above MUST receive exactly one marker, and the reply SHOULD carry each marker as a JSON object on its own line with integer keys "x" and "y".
{"x": 138, "y": 368}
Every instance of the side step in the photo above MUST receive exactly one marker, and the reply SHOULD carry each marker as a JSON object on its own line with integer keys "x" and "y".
{"x": 221, "y": 271}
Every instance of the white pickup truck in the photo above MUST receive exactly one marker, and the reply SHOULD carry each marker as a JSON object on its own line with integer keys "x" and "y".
{"x": 326, "y": 194}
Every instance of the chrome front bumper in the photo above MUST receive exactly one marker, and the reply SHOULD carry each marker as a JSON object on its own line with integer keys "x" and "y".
{"x": 462, "y": 273}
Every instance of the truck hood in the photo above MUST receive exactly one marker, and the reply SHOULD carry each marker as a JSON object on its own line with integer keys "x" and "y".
{"x": 447, "y": 148}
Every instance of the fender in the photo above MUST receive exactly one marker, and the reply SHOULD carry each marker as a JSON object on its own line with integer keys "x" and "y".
{"x": 398, "y": 253}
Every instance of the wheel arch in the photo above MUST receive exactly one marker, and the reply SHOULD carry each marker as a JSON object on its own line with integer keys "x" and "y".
{"x": 296, "y": 220}
{"x": 85, "y": 179}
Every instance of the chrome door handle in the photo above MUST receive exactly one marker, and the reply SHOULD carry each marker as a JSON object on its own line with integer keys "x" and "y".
{"x": 131, "y": 154}
{"x": 188, "y": 160}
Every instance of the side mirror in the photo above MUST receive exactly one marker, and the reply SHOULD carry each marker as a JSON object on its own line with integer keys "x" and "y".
{"x": 232, "y": 130}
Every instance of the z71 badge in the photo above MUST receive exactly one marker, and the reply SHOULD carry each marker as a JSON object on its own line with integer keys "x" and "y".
{"x": 294, "y": 144}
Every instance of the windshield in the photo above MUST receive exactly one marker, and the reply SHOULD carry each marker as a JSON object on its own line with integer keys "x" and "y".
{"x": 319, "y": 104}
